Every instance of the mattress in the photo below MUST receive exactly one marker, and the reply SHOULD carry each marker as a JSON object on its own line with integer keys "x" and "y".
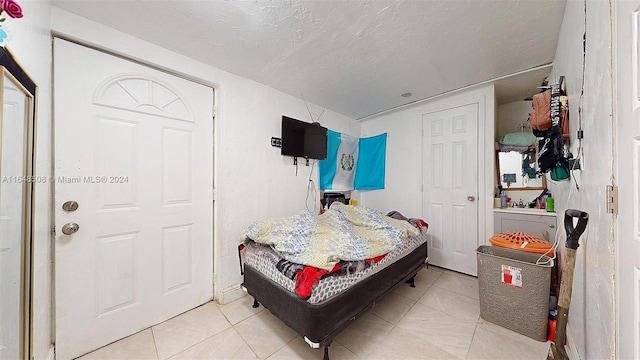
{"x": 264, "y": 259}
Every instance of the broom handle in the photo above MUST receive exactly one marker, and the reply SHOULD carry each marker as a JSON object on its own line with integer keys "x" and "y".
{"x": 560, "y": 352}
{"x": 566, "y": 281}
{"x": 564, "y": 301}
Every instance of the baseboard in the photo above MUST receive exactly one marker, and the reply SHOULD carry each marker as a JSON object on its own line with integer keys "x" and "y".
{"x": 51, "y": 355}
{"x": 233, "y": 292}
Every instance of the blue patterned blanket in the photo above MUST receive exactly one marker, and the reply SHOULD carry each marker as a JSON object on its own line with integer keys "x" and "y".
{"x": 343, "y": 232}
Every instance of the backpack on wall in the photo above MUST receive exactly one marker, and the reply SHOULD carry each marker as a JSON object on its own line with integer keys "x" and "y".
{"x": 550, "y": 151}
{"x": 550, "y": 122}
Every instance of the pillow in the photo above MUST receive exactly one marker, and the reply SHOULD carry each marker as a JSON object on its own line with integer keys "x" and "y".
{"x": 519, "y": 139}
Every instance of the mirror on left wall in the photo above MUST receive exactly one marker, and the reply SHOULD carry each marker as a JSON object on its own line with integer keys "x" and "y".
{"x": 17, "y": 181}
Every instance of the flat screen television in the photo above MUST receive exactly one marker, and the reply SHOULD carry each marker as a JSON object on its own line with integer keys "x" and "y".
{"x": 302, "y": 139}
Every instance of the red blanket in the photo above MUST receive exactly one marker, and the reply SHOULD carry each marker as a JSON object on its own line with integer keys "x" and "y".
{"x": 310, "y": 276}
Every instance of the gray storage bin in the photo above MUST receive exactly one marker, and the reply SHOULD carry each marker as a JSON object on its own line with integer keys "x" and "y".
{"x": 514, "y": 290}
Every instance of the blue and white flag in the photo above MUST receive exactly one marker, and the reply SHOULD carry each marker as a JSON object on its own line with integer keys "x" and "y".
{"x": 353, "y": 163}
{"x": 337, "y": 172}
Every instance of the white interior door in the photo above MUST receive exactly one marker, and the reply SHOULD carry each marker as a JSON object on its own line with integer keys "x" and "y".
{"x": 134, "y": 150}
{"x": 628, "y": 169}
{"x": 450, "y": 177}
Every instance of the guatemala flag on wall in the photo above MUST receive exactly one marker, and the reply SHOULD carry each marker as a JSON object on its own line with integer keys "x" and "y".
{"x": 338, "y": 171}
{"x": 353, "y": 163}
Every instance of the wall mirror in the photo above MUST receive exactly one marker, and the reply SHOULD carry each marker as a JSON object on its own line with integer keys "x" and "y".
{"x": 517, "y": 170}
{"x": 17, "y": 180}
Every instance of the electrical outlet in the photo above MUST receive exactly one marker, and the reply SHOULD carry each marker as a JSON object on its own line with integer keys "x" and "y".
{"x": 277, "y": 142}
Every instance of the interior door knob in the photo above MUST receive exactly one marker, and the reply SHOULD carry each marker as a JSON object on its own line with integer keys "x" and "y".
{"x": 471, "y": 198}
{"x": 70, "y": 206}
{"x": 70, "y": 228}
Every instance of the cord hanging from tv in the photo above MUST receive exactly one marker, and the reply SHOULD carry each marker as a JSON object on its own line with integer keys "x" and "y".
{"x": 302, "y": 139}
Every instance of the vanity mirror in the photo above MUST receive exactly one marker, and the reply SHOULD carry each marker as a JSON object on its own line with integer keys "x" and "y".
{"x": 17, "y": 124}
{"x": 517, "y": 170}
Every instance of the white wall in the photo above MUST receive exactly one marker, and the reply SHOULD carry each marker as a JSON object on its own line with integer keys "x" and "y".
{"x": 30, "y": 42}
{"x": 591, "y": 326}
{"x": 511, "y": 116}
{"x": 403, "y": 176}
{"x": 403, "y": 179}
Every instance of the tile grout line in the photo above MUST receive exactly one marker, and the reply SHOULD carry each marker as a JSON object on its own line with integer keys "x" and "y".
{"x": 199, "y": 342}
{"x": 246, "y": 343}
{"x": 155, "y": 345}
{"x": 457, "y": 293}
{"x": 249, "y": 345}
{"x": 472, "y": 338}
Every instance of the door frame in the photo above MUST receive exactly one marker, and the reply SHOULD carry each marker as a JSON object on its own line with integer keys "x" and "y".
{"x": 152, "y": 65}
{"x": 484, "y": 97}
{"x": 624, "y": 225}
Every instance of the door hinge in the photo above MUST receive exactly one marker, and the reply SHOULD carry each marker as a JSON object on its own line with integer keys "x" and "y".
{"x": 53, "y": 230}
{"x": 215, "y": 111}
{"x": 612, "y": 199}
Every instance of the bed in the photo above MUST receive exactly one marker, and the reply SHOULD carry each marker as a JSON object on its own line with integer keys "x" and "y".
{"x": 319, "y": 304}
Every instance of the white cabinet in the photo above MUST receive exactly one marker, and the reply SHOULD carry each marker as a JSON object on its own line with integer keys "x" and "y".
{"x": 534, "y": 221}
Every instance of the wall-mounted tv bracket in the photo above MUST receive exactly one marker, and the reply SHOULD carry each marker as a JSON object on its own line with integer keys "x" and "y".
{"x": 295, "y": 161}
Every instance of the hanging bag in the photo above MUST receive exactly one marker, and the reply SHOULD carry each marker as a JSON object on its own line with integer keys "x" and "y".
{"x": 549, "y": 151}
{"x": 540, "y": 117}
{"x": 551, "y": 129}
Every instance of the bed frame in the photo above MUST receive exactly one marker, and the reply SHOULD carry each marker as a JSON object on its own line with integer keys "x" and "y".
{"x": 320, "y": 323}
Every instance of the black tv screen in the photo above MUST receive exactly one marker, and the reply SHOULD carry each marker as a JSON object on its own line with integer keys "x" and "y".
{"x": 302, "y": 139}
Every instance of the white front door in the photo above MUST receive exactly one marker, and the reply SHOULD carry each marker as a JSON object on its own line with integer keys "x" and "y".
{"x": 450, "y": 177}
{"x": 628, "y": 177}
{"x": 134, "y": 150}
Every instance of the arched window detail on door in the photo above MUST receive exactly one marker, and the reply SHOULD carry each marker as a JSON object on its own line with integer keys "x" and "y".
{"x": 142, "y": 94}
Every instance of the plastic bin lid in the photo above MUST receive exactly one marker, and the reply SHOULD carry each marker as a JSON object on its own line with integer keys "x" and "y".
{"x": 522, "y": 241}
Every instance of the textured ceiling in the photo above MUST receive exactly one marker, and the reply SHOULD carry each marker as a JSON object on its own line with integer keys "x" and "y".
{"x": 353, "y": 57}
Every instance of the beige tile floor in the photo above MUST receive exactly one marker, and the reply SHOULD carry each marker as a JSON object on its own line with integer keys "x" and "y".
{"x": 438, "y": 319}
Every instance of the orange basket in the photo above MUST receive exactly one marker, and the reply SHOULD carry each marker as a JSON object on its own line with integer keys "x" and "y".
{"x": 522, "y": 241}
